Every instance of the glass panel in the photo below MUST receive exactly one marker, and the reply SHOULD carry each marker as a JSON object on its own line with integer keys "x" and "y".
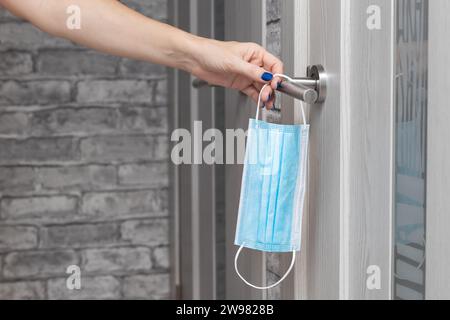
{"x": 411, "y": 119}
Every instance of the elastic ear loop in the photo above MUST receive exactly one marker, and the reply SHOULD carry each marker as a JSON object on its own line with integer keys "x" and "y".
{"x": 266, "y": 85}
{"x": 242, "y": 246}
{"x": 268, "y": 287}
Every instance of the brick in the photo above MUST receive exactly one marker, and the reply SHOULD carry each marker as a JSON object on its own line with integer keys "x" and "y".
{"x": 133, "y": 67}
{"x": 17, "y": 237}
{"x": 109, "y": 149}
{"x": 116, "y": 260}
{"x": 34, "y": 92}
{"x": 38, "y": 150}
{"x": 73, "y": 121}
{"x": 30, "y": 37}
{"x": 156, "y": 9}
{"x": 83, "y": 235}
{"x": 161, "y": 257}
{"x": 89, "y": 177}
{"x": 150, "y": 202}
{"x": 153, "y": 232}
{"x": 75, "y": 62}
{"x": 142, "y": 119}
{"x": 38, "y": 263}
{"x": 137, "y": 91}
{"x": 149, "y": 174}
{"x": 25, "y": 290}
{"x": 273, "y": 10}
{"x": 161, "y": 93}
{"x": 273, "y": 39}
{"x": 16, "y": 179}
{"x": 92, "y": 288}
{"x": 14, "y": 123}
{"x": 38, "y": 207}
{"x": 161, "y": 148}
{"x": 149, "y": 287}
{"x": 13, "y": 63}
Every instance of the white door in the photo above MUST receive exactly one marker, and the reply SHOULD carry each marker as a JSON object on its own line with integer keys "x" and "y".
{"x": 352, "y": 151}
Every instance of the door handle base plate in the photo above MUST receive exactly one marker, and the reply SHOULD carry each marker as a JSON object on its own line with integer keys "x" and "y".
{"x": 317, "y": 72}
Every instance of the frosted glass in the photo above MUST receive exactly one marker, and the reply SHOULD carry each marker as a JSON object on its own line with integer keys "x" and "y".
{"x": 411, "y": 130}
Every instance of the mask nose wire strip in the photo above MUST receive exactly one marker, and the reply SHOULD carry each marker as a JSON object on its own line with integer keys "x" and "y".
{"x": 262, "y": 288}
{"x": 266, "y": 85}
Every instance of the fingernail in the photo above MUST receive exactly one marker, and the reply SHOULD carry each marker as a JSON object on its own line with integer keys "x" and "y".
{"x": 279, "y": 85}
{"x": 267, "y": 76}
{"x": 270, "y": 97}
{"x": 263, "y": 106}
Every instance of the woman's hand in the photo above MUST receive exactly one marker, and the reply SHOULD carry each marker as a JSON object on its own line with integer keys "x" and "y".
{"x": 242, "y": 66}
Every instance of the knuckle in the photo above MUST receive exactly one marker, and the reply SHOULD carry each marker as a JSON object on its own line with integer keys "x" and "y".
{"x": 254, "y": 46}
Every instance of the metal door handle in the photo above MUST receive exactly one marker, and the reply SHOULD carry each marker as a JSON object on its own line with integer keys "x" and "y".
{"x": 311, "y": 90}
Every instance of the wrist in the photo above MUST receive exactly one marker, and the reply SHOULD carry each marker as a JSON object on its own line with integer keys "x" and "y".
{"x": 187, "y": 48}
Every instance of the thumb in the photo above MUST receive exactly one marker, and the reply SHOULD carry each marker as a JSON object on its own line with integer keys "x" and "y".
{"x": 252, "y": 71}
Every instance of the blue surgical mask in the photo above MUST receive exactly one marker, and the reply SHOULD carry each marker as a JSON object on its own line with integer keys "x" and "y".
{"x": 273, "y": 189}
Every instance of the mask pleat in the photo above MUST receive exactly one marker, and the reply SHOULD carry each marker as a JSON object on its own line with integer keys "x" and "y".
{"x": 277, "y": 174}
{"x": 266, "y": 169}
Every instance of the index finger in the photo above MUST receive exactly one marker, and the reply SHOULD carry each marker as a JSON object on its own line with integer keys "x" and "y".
{"x": 274, "y": 65}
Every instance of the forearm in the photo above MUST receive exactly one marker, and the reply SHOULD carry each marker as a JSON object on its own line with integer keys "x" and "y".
{"x": 111, "y": 27}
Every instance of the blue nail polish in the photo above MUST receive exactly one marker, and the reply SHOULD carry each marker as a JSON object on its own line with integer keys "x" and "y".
{"x": 267, "y": 76}
{"x": 270, "y": 97}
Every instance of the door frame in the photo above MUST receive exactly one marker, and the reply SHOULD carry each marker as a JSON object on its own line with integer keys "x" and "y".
{"x": 193, "y": 202}
{"x": 438, "y": 173}
{"x": 193, "y": 229}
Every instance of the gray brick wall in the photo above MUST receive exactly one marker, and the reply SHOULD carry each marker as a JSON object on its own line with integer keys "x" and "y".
{"x": 83, "y": 168}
